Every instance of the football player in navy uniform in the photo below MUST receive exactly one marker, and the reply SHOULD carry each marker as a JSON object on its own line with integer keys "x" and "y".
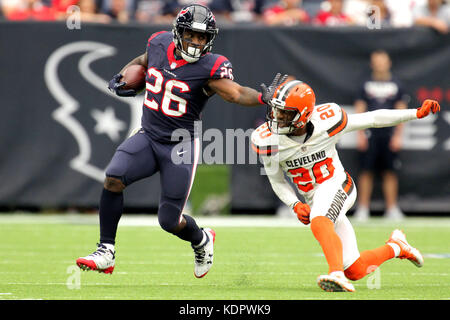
{"x": 181, "y": 75}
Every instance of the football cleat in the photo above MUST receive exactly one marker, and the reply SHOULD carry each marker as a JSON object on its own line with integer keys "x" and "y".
{"x": 102, "y": 260}
{"x": 406, "y": 250}
{"x": 335, "y": 282}
{"x": 204, "y": 254}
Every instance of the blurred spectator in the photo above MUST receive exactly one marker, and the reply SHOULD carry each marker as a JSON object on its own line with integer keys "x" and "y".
{"x": 87, "y": 9}
{"x": 89, "y": 12}
{"x": 312, "y": 7}
{"x": 8, "y": 6}
{"x": 379, "y": 12}
{"x": 401, "y": 12}
{"x": 370, "y": 13}
{"x": 379, "y": 147}
{"x": 356, "y": 10}
{"x": 120, "y": 10}
{"x": 61, "y": 6}
{"x": 331, "y": 14}
{"x": 162, "y": 11}
{"x": 237, "y": 11}
{"x": 434, "y": 14}
{"x": 394, "y": 13}
{"x": 28, "y": 10}
{"x": 150, "y": 11}
{"x": 285, "y": 12}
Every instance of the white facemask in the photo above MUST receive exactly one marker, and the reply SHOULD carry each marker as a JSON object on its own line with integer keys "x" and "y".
{"x": 194, "y": 54}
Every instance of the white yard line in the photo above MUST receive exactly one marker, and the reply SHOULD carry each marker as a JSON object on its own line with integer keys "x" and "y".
{"x": 222, "y": 221}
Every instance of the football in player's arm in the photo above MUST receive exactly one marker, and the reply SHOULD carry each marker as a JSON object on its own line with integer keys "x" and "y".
{"x": 299, "y": 141}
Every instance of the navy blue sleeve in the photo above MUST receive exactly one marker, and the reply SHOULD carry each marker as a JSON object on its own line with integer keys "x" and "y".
{"x": 221, "y": 68}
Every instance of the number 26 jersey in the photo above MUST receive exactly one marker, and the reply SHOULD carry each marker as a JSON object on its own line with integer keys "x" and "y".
{"x": 175, "y": 92}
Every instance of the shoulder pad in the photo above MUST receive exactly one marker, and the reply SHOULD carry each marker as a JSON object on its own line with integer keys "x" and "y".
{"x": 155, "y": 35}
{"x": 330, "y": 117}
{"x": 219, "y": 66}
{"x": 263, "y": 142}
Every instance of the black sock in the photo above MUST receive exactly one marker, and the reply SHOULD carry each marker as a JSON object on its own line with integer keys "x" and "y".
{"x": 191, "y": 232}
{"x": 111, "y": 208}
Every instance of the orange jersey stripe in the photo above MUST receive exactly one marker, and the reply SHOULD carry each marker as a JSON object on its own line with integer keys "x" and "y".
{"x": 269, "y": 150}
{"x": 340, "y": 125}
{"x": 348, "y": 184}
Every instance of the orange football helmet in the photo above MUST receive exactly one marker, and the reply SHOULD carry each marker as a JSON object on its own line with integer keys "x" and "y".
{"x": 290, "y": 107}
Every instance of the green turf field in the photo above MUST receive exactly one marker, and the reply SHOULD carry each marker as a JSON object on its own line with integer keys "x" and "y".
{"x": 268, "y": 263}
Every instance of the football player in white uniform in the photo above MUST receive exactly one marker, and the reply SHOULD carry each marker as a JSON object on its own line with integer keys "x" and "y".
{"x": 299, "y": 140}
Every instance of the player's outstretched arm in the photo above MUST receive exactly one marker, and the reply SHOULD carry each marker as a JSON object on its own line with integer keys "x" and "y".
{"x": 235, "y": 93}
{"x": 388, "y": 118}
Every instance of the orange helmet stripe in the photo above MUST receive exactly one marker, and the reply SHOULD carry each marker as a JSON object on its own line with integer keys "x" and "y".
{"x": 284, "y": 89}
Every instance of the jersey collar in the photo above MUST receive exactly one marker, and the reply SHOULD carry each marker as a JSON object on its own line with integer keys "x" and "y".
{"x": 173, "y": 62}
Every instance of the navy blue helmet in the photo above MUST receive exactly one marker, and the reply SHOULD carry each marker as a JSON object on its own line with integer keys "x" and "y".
{"x": 196, "y": 18}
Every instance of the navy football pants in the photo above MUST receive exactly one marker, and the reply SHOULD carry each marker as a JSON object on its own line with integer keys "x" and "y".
{"x": 140, "y": 157}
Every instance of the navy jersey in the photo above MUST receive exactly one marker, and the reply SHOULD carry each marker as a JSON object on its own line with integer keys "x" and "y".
{"x": 175, "y": 89}
{"x": 381, "y": 95}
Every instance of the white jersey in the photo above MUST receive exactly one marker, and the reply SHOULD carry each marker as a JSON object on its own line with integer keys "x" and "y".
{"x": 312, "y": 164}
{"x": 312, "y": 161}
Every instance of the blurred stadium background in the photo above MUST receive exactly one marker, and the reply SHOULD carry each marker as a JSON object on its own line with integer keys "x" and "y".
{"x": 60, "y": 125}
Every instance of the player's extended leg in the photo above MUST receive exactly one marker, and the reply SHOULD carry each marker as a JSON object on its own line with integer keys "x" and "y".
{"x": 133, "y": 160}
{"x": 177, "y": 176}
{"x": 323, "y": 230}
{"x": 357, "y": 265}
{"x": 325, "y": 213}
{"x": 370, "y": 260}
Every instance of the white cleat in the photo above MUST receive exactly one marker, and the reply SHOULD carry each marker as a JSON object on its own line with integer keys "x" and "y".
{"x": 102, "y": 260}
{"x": 406, "y": 250}
{"x": 204, "y": 254}
{"x": 335, "y": 282}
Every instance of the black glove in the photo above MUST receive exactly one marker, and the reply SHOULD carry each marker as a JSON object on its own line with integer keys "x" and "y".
{"x": 267, "y": 92}
{"x": 115, "y": 86}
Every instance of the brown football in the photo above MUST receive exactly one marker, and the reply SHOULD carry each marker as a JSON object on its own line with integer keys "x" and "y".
{"x": 134, "y": 76}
